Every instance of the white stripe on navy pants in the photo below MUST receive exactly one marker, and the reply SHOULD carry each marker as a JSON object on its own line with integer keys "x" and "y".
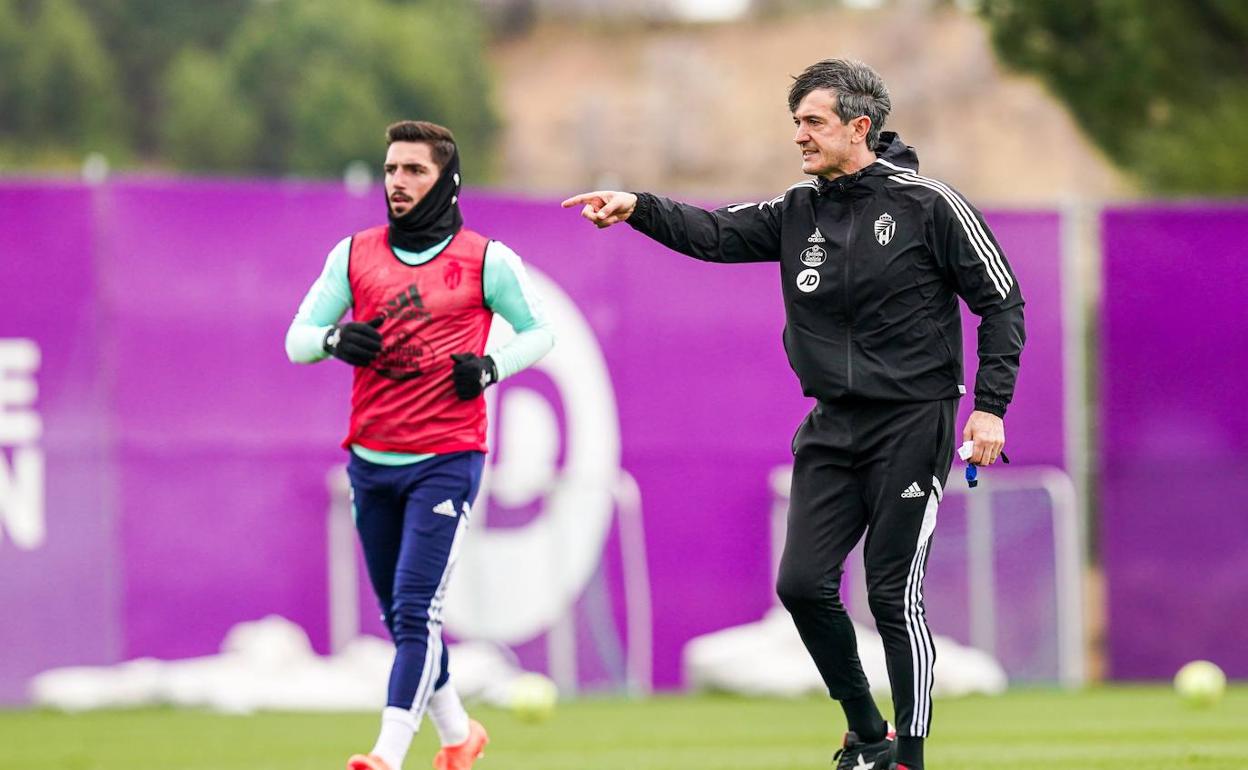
{"x": 879, "y": 468}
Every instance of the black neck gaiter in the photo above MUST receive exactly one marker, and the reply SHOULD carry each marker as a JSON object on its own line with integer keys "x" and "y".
{"x": 434, "y": 218}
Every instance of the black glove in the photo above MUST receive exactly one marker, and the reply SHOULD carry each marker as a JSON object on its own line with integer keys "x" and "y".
{"x": 356, "y": 343}
{"x": 472, "y": 374}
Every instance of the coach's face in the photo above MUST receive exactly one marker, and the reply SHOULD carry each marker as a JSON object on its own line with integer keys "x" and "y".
{"x": 826, "y": 143}
{"x": 410, "y": 174}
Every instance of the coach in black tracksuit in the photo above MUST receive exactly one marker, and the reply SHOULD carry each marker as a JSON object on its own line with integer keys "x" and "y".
{"x": 873, "y": 258}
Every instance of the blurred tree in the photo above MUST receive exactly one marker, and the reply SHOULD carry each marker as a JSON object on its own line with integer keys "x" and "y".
{"x": 321, "y": 80}
{"x": 145, "y": 37}
{"x": 277, "y": 86}
{"x": 205, "y": 124}
{"x": 1161, "y": 87}
{"x": 57, "y": 89}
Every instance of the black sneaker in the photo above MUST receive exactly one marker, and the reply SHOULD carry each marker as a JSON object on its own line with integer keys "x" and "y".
{"x": 857, "y": 755}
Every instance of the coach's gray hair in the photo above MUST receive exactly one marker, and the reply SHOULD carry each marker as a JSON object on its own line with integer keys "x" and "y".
{"x": 859, "y": 91}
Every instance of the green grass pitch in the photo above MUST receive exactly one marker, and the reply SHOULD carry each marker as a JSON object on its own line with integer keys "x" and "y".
{"x": 1123, "y": 728}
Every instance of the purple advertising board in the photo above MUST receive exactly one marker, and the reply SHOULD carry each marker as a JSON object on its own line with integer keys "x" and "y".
{"x": 186, "y": 457}
{"x": 1174, "y": 437}
{"x": 59, "y": 575}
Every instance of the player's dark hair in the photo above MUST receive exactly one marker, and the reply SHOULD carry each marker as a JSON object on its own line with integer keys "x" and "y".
{"x": 859, "y": 91}
{"x": 439, "y": 138}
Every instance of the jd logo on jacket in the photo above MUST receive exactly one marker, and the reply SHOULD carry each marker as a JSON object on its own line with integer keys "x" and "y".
{"x": 808, "y": 280}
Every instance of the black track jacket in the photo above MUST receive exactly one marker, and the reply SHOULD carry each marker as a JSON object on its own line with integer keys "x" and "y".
{"x": 871, "y": 266}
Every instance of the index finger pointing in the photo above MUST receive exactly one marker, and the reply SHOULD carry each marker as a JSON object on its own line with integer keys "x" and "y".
{"x": 578, "y": 199}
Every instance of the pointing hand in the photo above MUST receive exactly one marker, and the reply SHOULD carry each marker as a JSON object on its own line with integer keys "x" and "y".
{"x": 604, "y": 207}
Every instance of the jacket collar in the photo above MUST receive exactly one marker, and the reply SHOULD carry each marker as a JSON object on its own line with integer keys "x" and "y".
{"x": 891, "y": 154}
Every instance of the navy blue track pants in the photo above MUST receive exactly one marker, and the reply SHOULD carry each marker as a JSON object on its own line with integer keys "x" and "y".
{"x": 412, "y": 520}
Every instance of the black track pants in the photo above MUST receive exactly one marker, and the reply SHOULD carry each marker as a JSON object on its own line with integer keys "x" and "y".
{"x": 877, "y": 467}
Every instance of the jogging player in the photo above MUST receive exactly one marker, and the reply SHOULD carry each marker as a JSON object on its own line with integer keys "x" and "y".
{"x": 423, "y": 291}
{"x": 873, "y": 257}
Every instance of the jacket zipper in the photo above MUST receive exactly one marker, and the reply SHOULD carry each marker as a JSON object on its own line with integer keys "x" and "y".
{"x": 849, "y": 314}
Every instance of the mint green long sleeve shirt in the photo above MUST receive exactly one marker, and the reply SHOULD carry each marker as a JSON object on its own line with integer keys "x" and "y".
{"x": 508, "y": 291}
